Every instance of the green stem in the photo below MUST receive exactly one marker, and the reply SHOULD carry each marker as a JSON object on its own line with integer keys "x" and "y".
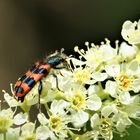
{"x": 47, "y": 109}
{"x": 100, "y": 85}
{"x": 138, "y": 46}
{"x": 60, "y": 95}
{"x": 87, "y": 135}
{"x": 28, "y": 116}
{"x": 102, "y": 94}
{"x": 74, "y": 136}
{"x": 4, "y": 135}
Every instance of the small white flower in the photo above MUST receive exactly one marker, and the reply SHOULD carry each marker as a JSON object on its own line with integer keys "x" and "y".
{"x": 122, "y": 120}
{"x": 57, "y": 121}
{"x": 80, "y": 99}
{"x": 82, "y": 75}
{"x": 6, "y": 119}
{"x": 126, "y": 78}
{"x": 103, "y": 126}
{"x": 76, "y": 96}
{"x": 131, "y": 32}
{"x": 96, "y": 56}
{"x": 13, "y": 133}
{"x": 27, "y": 131}
{"x": 77, "y": 75}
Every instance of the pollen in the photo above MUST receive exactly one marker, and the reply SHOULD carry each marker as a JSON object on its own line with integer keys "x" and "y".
{"x": 119, "y": 104}
{"x": 105, "y": 129}
{"x": 78, "y": 101}
{"x": 124, "y": 81}
{"x": 30, "y": 137}
{"x": 55, "y": 123}
{"x": 81, "y": 75}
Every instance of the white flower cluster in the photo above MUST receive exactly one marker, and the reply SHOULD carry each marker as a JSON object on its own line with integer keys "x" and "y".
{"x": 95, "y": 98}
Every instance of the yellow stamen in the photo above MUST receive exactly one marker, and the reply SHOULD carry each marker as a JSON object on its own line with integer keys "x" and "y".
{"x": 124, "y": 81}
{"x": 81, "y": 75}
{"x": 78, "y": 101}
{"x": 55, "y": 123}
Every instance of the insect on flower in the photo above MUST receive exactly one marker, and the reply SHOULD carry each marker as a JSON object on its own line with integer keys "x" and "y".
{"x": 36, "y": 73}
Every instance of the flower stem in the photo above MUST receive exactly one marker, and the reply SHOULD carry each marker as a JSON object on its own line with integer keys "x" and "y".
{"x": 72, "y": 134}
{"x": 47, "y": 109}
{"x": 138, "y": 46}
{"x": 100, "y": 85}
{"x": 4, "y": 135}
{"x": 102, "y": 94}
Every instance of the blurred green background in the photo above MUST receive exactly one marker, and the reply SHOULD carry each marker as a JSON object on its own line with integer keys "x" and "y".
{"x": 30, "y": 29}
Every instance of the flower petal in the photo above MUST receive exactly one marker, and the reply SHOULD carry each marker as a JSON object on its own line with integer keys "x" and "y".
{"x": 109, "y": 110}
{"x": 94, "y": 103}
{"x": 99, "y": 76}
{"x": 42, "y": 119}
{"x": 95, "y": 120}
{"x": 20, "y": 118}
{"x": 27, "y": 128}
{"x": 58, "y": 106}
{"x": 79, "y": 118}
{"x": 43, "y": 133}
{"x": 111, "y": 88}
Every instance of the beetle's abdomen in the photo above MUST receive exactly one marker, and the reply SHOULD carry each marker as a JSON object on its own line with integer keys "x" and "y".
{"x": 28, "y": 81}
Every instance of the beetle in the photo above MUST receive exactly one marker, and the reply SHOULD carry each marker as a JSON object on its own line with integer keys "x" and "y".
{"x": 39, "y": 70}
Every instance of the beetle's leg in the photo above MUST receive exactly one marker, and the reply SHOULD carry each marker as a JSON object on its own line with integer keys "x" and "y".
{"x": 57, "y": 86}
{"x": 39, "y": 93}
